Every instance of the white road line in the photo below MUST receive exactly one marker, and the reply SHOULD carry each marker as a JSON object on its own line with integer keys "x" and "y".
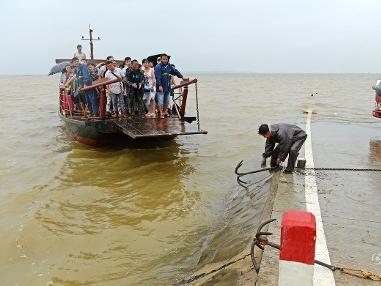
{"x": 322, "y": 275}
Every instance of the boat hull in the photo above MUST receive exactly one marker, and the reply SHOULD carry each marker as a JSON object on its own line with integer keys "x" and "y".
{"x": 94, "y": 133}
{"x": 111, "y": 132}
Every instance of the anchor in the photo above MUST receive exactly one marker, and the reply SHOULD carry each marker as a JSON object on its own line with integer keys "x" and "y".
{"x": 260, "y": 240}
{"x": 241, "y": 174}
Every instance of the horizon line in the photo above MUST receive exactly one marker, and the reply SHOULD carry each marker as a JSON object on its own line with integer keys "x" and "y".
{"x": 221, "y": 72}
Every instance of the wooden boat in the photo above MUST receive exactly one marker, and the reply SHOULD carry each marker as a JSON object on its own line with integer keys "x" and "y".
{"x": 105, "y": 130}
{"x": 377, "y": 109}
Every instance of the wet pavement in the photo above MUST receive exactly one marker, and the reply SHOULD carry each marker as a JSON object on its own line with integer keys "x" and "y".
{"x": 349, "y": 200}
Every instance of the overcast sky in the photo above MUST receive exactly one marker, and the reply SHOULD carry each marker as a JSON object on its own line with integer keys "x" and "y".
{"x": 268, "y": 36}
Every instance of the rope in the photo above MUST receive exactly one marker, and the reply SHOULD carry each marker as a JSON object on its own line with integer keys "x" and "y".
{"x": 201, "y": 275}
{"x": 361, "y": 273}
{"x": 350, "y": 271}
{"x": 364, "y": 274}
{"x": 260, "y": 243}
{"x": 260, "y": 240}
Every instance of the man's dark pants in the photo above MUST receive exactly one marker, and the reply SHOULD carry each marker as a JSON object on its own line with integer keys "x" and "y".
{"x": 293, "y": 154}
{"x": 92, "y": 102}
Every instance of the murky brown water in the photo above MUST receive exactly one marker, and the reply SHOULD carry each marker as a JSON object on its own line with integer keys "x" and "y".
{"x": 76, "y": 215}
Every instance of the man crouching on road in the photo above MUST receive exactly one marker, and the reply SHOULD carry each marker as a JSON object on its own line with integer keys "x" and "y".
{"x": 290, "y": 139}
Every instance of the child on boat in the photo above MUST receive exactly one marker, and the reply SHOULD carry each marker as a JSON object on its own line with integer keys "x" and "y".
{"x": 149, "y": 88}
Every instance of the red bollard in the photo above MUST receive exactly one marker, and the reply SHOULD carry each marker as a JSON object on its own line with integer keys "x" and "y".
{"x": 297, "y": 249}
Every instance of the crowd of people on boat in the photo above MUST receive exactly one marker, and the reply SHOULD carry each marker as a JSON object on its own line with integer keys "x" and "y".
{"x": 142, "y": 89}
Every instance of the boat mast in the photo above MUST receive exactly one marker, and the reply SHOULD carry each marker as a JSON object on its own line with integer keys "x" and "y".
{"x": 90, "y": 39}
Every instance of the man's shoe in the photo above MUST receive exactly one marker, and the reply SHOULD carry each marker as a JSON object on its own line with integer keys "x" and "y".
{"x": 286, "y": 171}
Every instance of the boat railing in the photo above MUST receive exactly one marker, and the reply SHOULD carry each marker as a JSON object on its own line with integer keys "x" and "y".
{"x": 184, "y": 84}
{"x": 100, "y": 84}
{"x": 66, "y": 102}
{"x": 179, "y": 95}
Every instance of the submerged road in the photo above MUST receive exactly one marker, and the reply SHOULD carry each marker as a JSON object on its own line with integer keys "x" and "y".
{"x": 346, "y": 204}
{"x": 322, "y": 275}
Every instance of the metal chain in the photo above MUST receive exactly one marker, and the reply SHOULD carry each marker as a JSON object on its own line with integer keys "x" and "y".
{"x": 241, "y": 174}
{"x": 342, "y": 169}
{"x": 365, "y": 274}
{"x": 260, "y": 240}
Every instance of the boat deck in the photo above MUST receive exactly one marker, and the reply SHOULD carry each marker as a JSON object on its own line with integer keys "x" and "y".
{"x": 137, "y": 127}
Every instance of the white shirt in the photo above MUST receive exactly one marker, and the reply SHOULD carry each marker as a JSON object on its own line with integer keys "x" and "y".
{"x": 124, "y": 69}
{"x": 102, "y": 70}
{"x": 149, "y": 77}
{"x": 80, "y": 56}
{"x": 116, "y": 88}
